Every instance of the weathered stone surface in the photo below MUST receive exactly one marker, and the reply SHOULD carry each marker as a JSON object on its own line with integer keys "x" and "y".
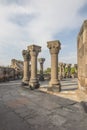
{"x": 26, "y": 57}
{"x": 41, "y": 61}
{"x": 34, "y": 51}
{"x": 82, "y": 57}
{"x": 54, "y": 47}
{"x": 34, "y": 110}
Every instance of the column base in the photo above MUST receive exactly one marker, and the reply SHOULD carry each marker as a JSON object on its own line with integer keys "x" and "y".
{"x": 41, "y": 78}
{"x": 34, "y": 84}
{"x": 24, "y": 83}
{"x": 54, "y": 88}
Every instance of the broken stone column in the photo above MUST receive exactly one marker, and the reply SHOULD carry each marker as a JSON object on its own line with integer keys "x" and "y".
{"x": 82, "y": 57}
{"x": 54, "y": 47}
{"x": 41, "y": 61}
{"x": 34, "y": 51}
{"x": 26, "y": 57}
{"x": 69, "y": 70}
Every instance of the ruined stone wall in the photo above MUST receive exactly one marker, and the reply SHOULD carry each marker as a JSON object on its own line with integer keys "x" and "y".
{"x": 82, "y": 57}
{"x": 6, "y": 73}
{"x": 17, "y": 64}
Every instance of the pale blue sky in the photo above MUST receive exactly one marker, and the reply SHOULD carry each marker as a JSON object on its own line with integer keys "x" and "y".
{"x": 26, "y": 22}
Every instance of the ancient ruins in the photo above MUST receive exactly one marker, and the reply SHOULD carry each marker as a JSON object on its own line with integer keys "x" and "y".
{"x": 26, "y": 57}
{"x": 54, "y": 48}
{"x": 27, "y": 70}
{"x": 82, "y": 57}
{"x": 30, "y": 77}
{"x": 41, "y": 61}
{"x": 12, "y": 72}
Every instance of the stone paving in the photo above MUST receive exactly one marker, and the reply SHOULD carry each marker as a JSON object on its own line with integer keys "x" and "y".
{"x": 24, "y": 109}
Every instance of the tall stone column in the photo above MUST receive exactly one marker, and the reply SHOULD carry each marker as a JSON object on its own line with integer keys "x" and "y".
{"x": 41, "y": 61}
{"x": 69, "y": 70}
{"x": 64, "y": 75}
{"x": 54, "y": 47}
{"x": 34, "y": 51}
{"x": 26, "y": 57}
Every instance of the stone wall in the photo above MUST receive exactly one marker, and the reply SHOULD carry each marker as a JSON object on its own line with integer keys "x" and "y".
{"x": 18, "y": 66}
{"x": 82, "y": 57}
{"x": 6, "y": 73}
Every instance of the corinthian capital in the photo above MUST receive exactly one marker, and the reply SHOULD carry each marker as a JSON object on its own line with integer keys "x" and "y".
{"x": 69, "y": 65}
{"x": 54, "y": 46}
{"x": 34, "y": 49}
{"x": 26, "y": 55}
{"x": 41, "y": 60}
{"x": 60, "y": 64}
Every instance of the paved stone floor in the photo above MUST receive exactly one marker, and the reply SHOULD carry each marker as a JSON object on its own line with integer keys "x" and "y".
{"x": 67, "y": 84}
{"x": 24, "y": 109}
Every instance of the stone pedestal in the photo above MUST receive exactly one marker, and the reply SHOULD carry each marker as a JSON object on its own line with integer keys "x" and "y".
{"x": 26, "y": 57}
{"x": 54, "y": 47}
{"x": 41, "y": 61}
{"x": 34, "y": 50}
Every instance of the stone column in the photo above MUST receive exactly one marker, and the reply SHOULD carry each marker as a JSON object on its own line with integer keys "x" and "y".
{"x": 64, "y": 75}
{"x": 41, "y": 61}
{"x": 26, "y": 57}
{"x": 82, "y": 57}
{"x": 34, "y": 51}
{"x": 69, "y": 70}
{"x": 54, "y": 47}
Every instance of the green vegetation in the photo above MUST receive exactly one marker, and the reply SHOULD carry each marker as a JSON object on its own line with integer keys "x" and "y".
{"x": 72, "y": 70}
{"x": 48, "y": 70}
{"x": 66, "y": 70}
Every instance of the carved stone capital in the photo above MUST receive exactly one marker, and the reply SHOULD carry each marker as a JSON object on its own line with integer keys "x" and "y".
{"x": 69, "y": 65}
{"x": 26, "y": 55}
{"x": 64, "y": 64}
{"x": 60, "y": 64}
{"x": 84, "y": 26}
{"x": 54, "y": 46}
{"x": 41, "y": 60}
{"x": 34, "y": 50}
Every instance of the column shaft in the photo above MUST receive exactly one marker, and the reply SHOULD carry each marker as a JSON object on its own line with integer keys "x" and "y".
{"x": 41, "y": 68}
{"x": 41, "y": 61}
{"x": 26, "y": 70}
{"x": 34, "y": 67}
{"x": 54, "y": 47}
{"x": 25, "y": 80}
{"x": 34, "y": 50}
{"x": 54, "y": 69}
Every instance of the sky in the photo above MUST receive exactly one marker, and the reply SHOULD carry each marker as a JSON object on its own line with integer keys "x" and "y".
{"x": 27, "y": 22}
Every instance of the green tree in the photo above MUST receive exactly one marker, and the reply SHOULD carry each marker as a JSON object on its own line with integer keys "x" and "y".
{"x": 66, "y": 70}
{"x": 48, "y": 70}
{"x": 72, "y": 70}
